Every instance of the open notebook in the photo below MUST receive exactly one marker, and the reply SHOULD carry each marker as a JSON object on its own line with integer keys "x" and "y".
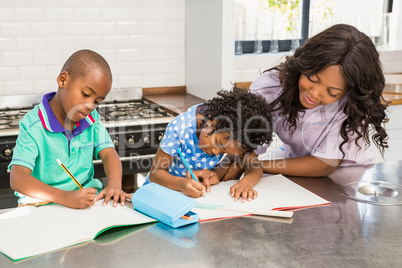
{"x": 47, "y": 228}
{"x": 277, "y": 196}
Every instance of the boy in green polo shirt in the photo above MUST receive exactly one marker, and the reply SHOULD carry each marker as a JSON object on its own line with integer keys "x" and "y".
{"x": 66, "y": 126}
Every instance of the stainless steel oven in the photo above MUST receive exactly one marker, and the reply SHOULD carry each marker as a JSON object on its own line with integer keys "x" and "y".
{"x": 135, "y": 127}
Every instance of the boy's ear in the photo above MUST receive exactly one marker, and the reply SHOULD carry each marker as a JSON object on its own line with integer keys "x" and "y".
{"x": 62, "y": 79}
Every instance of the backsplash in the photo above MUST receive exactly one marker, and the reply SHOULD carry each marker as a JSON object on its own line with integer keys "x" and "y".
{"x": 142, "y": 40}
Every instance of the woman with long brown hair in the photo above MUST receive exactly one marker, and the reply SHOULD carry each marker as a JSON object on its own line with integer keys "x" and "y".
{"x": 327, "y": 103}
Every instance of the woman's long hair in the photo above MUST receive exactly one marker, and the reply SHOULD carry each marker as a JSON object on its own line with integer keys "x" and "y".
{"x": 355, "y": 53}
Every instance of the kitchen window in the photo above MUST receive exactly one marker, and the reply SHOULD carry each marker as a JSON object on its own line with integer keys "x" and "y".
{"x": 281, "y": 25}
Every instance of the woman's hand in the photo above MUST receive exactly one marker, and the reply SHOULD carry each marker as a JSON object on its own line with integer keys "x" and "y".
{"x": 243, "y": 189}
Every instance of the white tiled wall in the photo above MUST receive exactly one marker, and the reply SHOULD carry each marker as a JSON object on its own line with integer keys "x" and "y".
{"x": 143, "y": 41}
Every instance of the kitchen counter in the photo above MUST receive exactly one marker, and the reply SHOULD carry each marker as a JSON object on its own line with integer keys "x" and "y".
{"x": 345, "y": 234}
{"x": 174, "y": 103}
{"x": 174, "y": 100}
{"x": 394, "y": 98}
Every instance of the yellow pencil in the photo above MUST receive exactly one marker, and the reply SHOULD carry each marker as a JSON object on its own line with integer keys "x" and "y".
{"x": 69, "y": 173}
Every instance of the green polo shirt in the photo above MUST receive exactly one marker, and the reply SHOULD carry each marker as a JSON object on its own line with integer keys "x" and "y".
{"x": 42, "y": 140}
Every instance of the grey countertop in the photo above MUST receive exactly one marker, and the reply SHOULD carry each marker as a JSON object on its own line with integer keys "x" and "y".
{"x": 345, "y": 234}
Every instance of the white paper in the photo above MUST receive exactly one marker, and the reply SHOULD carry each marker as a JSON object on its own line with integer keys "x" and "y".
{"x": 209, "y": 214}
{"x": 274, "y": 193}
{"x": 29, "y": 230}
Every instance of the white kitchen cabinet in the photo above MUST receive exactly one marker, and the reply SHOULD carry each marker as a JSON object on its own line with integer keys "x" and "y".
{"x": 394, "y": 130}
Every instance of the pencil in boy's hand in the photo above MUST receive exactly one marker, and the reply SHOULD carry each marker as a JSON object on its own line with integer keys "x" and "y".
{"x": 69, "y": 173}
{"x": 185, "y": 163}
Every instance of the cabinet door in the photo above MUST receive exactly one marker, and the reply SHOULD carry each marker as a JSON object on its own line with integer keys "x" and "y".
{"x": 394, "y": 131}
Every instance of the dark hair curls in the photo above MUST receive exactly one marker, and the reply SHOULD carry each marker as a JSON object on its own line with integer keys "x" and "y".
{"x": 355, "y": 53}
{"x": 246, "y": 116}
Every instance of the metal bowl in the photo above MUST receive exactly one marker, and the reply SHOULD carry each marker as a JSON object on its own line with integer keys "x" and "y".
{"x": 373, "y": 192}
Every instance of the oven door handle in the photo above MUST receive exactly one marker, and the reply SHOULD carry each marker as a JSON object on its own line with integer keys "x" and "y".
{"x": 130, "y": 158}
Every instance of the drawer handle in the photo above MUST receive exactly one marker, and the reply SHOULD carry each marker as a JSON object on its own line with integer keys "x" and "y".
{"x": 129, "y": 158}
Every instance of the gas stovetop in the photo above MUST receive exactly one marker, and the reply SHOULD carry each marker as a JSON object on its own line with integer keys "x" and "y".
{"x": 121, "y": 110}
{"x": 115, "y": 113}
{"x": 120, "y": 113}
{"x": 10, "y": 117}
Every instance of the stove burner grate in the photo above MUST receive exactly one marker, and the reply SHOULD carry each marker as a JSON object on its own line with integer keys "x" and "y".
{"x": 9, "y": 118}
{"x": 134, "y": 109}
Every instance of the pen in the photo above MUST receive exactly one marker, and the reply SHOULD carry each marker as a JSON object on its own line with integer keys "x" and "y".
{"x": 185, "y": 163}
{"x": 69, "y": 173}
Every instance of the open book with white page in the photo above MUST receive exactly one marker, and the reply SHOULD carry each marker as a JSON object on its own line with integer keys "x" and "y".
{"x": 277, "y": 196}
{"x": 47, "y": 228}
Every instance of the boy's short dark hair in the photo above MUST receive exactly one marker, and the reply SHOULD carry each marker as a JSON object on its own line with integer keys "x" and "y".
{"x": 246, "y": 116}
{"x": 81, "y": 62}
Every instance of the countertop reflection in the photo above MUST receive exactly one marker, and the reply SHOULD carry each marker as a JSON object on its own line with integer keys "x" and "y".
{"x": 345, "y": 234}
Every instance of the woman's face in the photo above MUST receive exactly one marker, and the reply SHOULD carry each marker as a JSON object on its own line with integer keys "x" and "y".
{"x": 324, "y": 88}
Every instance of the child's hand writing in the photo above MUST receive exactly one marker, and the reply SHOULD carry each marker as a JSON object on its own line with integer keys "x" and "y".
{"x": 115, "y": 193}
{"x": 244, "y": 189}
{"x": 206, "y": 177}
{"x": 191, "y": 188}
{"x": 81, "y": 198}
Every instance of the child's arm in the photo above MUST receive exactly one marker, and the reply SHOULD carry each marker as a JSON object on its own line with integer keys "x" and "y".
{"x": 252, "y": 175}
{"x": 160, "y": 175}
{"x": 113, "y": 170}
{"x": 23, "y": 182}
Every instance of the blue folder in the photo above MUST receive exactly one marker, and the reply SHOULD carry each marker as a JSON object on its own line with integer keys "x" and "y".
{"x": 164, "y": 204}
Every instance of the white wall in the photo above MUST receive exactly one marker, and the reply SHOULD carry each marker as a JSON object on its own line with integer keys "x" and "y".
{"x": 397, "y": 8}
{"x": 209, "y": 46}
{"x": 143, "y": 41}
